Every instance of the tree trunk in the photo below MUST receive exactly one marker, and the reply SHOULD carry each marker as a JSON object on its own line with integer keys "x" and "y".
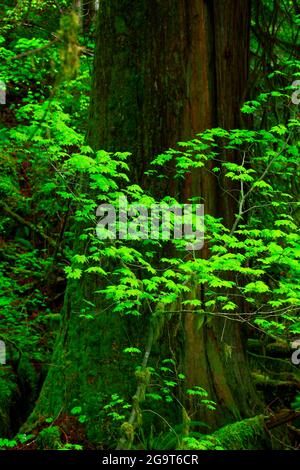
{"x": 215, "y": 354}
{"x": 164, "y": 71}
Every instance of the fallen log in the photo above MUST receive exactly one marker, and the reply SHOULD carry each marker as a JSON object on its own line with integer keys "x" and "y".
{"x": 252, "y": 433}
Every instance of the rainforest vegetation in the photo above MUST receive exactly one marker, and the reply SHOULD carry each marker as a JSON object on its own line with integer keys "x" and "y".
{"x": 140, "y": 342}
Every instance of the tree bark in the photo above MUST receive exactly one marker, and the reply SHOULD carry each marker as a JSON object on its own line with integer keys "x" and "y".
{"x": 215, "y": 354}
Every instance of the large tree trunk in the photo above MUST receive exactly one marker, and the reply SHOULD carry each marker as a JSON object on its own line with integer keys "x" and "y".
{"x": 164, "y": 71}
{"x": 214, "y": 354}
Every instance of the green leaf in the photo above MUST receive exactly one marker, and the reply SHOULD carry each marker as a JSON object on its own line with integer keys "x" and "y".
{"x": 258, "y": 286}
{"x": 76, "y": 410}
{"x": 132, "y": 351}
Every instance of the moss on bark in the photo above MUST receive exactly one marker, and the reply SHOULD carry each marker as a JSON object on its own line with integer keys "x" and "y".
{"x": 249, "y": 434}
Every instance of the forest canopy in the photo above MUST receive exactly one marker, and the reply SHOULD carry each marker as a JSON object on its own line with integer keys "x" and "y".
{"x": 149, "y": 225}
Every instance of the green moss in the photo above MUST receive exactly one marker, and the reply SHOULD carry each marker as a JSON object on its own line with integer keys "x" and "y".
{"x": 209, "y": 443}
{"x": 246, "y": 434}
{"x": 128, "y": 431}
{"x": 242, "y": 435}
{"x": 143, "y": 376}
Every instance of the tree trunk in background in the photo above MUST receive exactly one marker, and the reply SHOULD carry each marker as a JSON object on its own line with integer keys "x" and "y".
{"x": 164, "y": 71}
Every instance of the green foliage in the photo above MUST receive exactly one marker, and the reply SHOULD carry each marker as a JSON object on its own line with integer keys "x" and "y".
{"x": 49, "y": 439}
{"x": 69, "y": 446}
{"x": 115, "y": 408}
{"x": 41, "y": 124}
{"x": 76, "y": 411}
{"x": 6, "y": 444}
{"x": 296, "y": 403}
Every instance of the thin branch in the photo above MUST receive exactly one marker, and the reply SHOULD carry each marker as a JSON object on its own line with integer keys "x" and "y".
{"x": 34, "y": 51}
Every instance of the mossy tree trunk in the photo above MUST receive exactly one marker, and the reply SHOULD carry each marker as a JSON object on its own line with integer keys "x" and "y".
{"x": 164, "y": 71}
